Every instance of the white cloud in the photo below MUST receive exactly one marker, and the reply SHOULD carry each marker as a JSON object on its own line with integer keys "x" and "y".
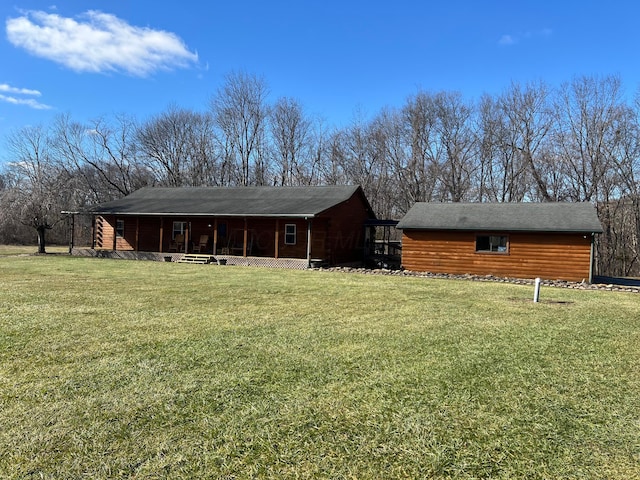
{"x": 510, "y": 39}
{"x": 506, "y": 40}
{"x": 29, "y": 102}
{"x": 98, "y": 42}
{"x": 14, "y": 96}
{"x": 20, "y": 91}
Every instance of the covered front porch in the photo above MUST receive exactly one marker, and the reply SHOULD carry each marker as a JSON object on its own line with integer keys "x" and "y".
{"x": 239, "y": 241}
{"x": 323, "y": 223}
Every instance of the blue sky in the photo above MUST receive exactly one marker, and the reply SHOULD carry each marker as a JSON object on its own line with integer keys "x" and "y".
{"x": 91, "y": 58}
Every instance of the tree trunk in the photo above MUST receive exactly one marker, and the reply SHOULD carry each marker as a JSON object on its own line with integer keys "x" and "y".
{"x": 41, "y": 229}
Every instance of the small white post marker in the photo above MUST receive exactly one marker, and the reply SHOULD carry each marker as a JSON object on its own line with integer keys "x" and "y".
{"x": 536, "y": 292}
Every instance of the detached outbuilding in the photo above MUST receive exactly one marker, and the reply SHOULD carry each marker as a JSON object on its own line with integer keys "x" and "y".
{"x": 275, "y": 226}
{"x": 521, "y": 240}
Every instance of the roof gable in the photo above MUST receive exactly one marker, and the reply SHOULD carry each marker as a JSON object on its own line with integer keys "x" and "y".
{"x": 529, "y": 217}
{"x": 231, "y": 201}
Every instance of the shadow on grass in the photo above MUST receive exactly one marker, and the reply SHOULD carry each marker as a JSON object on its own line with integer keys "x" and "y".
{"x": 624, "y": 281}
{"x": 543, "y": 300}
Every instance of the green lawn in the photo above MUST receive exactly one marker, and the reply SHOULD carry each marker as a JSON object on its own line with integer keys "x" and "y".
{"x": 31, "y": 249}
{"x": 123, "y": 369}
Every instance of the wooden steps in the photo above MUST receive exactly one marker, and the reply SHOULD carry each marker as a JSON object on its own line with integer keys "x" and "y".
{"x": 198, "y": 258}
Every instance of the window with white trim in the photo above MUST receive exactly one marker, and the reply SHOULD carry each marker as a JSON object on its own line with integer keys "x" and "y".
{"x": 178, "y": 229}
{"x": 290, "y": 234}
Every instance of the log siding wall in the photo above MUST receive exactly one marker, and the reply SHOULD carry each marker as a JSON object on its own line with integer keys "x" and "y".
{"x": 344, "y": 237}
{"x": 552, "y": 256}
{"x": 107, "y": 238}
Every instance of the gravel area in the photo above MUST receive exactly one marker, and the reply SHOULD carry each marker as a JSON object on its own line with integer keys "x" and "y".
{"x": 613, "y": 287}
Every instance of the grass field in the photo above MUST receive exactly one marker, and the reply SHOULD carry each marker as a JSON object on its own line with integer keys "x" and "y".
{"x": 30, "y": 249}
{"x": 122, "y": 369}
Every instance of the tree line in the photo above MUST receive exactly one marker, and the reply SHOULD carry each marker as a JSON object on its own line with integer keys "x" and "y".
{"x": 577, "y": 142}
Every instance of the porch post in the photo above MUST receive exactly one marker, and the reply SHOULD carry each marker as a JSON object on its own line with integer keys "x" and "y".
{"x": 215, "y": 236}
{"x": 591, "y": 257}
{"x": 277, "y": 239}
{"x": 115, "y": 235}
{"x": 244, "y": 242}
{"x": 161, "y": 233}
{"x": 93, "y": 231}
{"x": 72, "y": 221}
{"x": 186, "y": 237}
{"x": 137, "y": 233}
{"x": 309, "y": 241}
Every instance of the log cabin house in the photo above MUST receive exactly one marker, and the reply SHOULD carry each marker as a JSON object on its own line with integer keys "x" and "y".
{"x": 273, "y": 226}
{"x": 552, "y": 241}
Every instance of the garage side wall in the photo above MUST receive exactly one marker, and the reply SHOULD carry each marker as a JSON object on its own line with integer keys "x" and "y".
{"x": 552, "y": 256}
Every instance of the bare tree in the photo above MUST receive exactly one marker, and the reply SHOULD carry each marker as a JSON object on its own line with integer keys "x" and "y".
{"x": 390, "y": 132}
{"x": 102, "y": 156}
{"x": 333, "y": 168}
{"x": 35, "y": 197}
{"x": 364, "y": 160}
{"x": 592, "y": 123}
{"x": 503, "y": 175}
{"x": 459, "y": 142}
{"x": 417, "y": 171}
{"x": 290, "y": 133}
{"x": 12, "y": 230}
{"x": 240, "y": 113}
{"x": 115, "y": 143}
{"x": 178, "y": 147}
{"x": 587, "y": 130}
{"x": 619, "y": 246}
{"x": 318, "y": 143}
{"x": 529, "y": 116}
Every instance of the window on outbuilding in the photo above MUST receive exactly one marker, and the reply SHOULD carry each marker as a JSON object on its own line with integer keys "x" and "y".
{"x": 492, "y": 243}
{"x": 290, "y": 234}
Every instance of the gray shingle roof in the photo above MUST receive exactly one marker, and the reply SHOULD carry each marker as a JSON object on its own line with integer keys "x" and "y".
{"x": 526, "y": 217}
{"x": 229, "y": 201}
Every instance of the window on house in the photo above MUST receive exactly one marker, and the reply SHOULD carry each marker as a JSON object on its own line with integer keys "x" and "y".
{"x": 178, "y": 229}
{"x": 119, "y": 228}
{"x": 290, "y": 234}
{"x": 492, "y": 243}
